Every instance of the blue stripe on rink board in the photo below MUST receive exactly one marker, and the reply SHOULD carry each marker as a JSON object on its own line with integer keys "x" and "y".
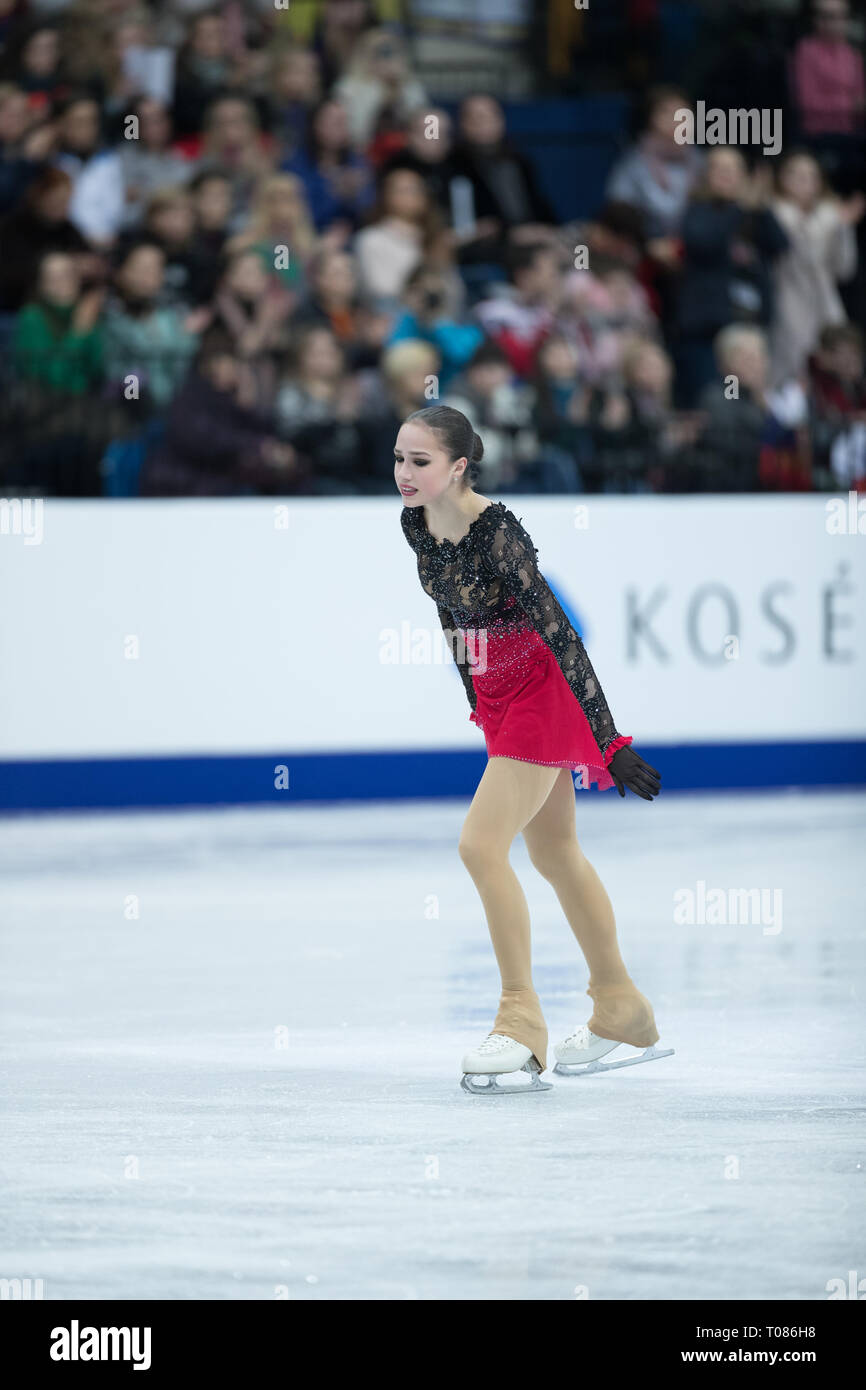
{"x": 101, "y": 783}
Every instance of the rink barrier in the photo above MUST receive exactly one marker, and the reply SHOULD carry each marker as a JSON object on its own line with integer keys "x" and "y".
{"x": 106, "y": 783}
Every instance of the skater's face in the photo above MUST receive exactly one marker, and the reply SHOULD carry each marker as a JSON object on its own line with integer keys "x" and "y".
{"x": 423, "y": 471}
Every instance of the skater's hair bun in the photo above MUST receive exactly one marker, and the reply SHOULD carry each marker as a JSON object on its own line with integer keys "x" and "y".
{"x": 456, "y": 436}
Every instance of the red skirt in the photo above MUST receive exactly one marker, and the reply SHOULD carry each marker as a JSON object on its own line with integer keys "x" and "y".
{"x": 527, "y": 710}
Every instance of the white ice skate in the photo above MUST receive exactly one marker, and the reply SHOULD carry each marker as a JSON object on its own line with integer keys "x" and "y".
{"x": 496, "y": 1056}
{"x": 580, "y": 1054}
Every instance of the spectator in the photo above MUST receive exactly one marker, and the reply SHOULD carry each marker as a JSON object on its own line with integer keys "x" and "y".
{"x": 839, "y": 407}
{"x": 501, "y": 409}
{"x": 317, "y": 409}
{"x": 430, "y": 313}
{"x": 730, "y": 240}
{"x": 520, "y": 319}
{"x": 407, "y": 377}
{"x": 56, "y": 340}
{"x": 599, "y": 311}
{"x": 149, "y": 164}
{"x": 378, "y": 91}
{"x": 339, "y": 27}
{"x": 32, "y": 60}
{"x": 98, "y": 195}
{"x": 19, "y": 153}
{"x": 427, "y": 151}
{"x": 402, "y": 230}
{"x": 205, "y": 70}
{"x": 47, "y": 411}
{"x": 500, "y": 184}
{"x": 216, "y": 443}
{"x": 253, "y": 308}
{"x": 41, "y": 224}
{"x": 752, "y": 439}
{"x": 211, "y": 194}
{"x": 143, "y": 337}
{"x": 560, "y": 415}
{"x": 658, "y": 174}
{"x": 169, "y": 222}
{"x": 296, "y": 90}
{"x": 280, "y": 229}
{"x": 337, "y": 179}
{"x": 233, "y": 144}
{"x": 829, "y": 89}
{"x": 822, "y": 249}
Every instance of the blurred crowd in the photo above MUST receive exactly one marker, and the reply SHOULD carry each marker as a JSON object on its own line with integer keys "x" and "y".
{"x": 240, "y": 243}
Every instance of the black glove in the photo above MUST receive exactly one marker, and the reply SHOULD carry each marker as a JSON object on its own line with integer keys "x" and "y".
{"x": 627, "y": 766}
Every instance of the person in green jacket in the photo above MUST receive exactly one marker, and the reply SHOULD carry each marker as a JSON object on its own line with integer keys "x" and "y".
{"x": 56, "y": 339}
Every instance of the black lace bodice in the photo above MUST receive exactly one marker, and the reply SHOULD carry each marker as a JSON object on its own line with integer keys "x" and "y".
{"x": 490, "y": 579}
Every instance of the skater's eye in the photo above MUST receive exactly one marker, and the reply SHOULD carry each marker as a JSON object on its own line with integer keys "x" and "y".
{"x": 398, "y": 458}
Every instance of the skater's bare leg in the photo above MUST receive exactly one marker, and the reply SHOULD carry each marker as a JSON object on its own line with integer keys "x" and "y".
{"x": 621, "y": 1011}
{"x": 509, "y": 794}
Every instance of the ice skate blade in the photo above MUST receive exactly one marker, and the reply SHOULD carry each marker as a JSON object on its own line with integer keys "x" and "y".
{"x": 650, "y": 1054}
{"x": 491, "y": 1086}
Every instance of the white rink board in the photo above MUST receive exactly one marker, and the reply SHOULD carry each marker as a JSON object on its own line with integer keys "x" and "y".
{"x": 254, "y": 636}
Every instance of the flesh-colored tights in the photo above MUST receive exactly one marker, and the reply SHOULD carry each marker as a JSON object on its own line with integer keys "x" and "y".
{"x": 515, "y": 796}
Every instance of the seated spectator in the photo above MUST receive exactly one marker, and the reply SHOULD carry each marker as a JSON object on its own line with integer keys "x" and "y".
{"x": 253, "y": 307}
{"x": 838, "y": 395}
{"x": 427, "y": 151}
{"x": 730, "y": 240}
{"x": 334, "y": 302}
{"x": 149, "y": 163}
{"x": 601, "y": 309}
{"x": 647, "y": 373}
{"x": 338, "y": 180}
{"x": 234, "y": 144}
{"x": 501, "y": 410}
{"x": 430, "y": 312}
{"x": 378, "y": 90}
{"x": 407, "y": 380}
{"x": 403, "y": 229}
{"x": 169, "y": 221}
{"x": 211, "y": 194}
{"x": 33, "y": 61}
{"x": 50, "y": 435}
{"x": 216, "y": 443}
{"x": 753, "y": 439}
{"x": 40, "y": 225}
{"x": 19, "y": 147}
{"x": 501, "y": 188}
{"x": 658, "y": 175}
{"x": 338, "y": 29}
{"x": 136, "y": 65}
{"x": 280, "y": 219}
{"x": 56, "y": 339}
{"x": 822, "y": 250}
{"x": 205, "y": 69}
{"x": 296, "y": 90}
{"x": 829, "y": 90}
{"x": 317, "y": 410}
{"x": 98, "y": 195}
{"x": 560, "y": 413}
{"x": 143, "y": 336}
{"x": 520, "y": 318}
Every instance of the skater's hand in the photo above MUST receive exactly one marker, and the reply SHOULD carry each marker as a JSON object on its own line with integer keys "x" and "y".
{"x": 628, "y": 769}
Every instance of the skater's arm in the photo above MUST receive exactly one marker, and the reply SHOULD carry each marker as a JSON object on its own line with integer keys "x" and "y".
{"x": 514, "y": 559}
{"x": 459, "y": 651}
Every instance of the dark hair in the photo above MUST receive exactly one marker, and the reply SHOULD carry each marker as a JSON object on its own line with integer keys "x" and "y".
{"x": 522, "y": 256}
{"x": 455, "y": 434}
{"x": 488, "y": 354}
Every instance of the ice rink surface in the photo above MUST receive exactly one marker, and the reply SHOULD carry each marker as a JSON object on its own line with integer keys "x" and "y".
{"x": 232, "y": 1044}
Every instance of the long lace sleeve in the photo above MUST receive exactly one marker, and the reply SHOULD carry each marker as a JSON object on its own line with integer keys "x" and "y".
{"x": 513, "y": 557}
{"x": 459, "y": 651}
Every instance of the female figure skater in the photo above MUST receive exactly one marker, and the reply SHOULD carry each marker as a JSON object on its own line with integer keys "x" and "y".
{"x": 536, "y": 698}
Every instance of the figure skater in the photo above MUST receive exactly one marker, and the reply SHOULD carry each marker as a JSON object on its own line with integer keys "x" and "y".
{"x": 535, "y": 696}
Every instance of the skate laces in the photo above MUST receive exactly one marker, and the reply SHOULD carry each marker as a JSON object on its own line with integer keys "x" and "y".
{"x": 495, "y": 1042}
{"x": 580, "y": 1037}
